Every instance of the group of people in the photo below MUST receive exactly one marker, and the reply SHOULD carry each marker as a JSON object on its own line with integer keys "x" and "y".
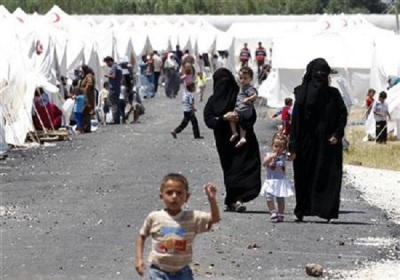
{"x": 168, "y": 68}
{"x": 380, "y": 111}
{"x": 260, "y": 59}
{"x": 318, "y": 121}
{"x": 113, "y": 104}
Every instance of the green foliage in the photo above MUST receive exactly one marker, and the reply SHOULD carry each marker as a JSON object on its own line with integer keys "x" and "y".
{"x": 241, "y": 7}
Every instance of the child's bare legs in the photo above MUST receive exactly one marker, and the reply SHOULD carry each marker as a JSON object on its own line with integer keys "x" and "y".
{"x": 234, "y": 131}
{"x": 201, "y": 93}
{"x": 271, "y": 206}
{"x": 242, "y": 140}
{"x": 281, "y": 208}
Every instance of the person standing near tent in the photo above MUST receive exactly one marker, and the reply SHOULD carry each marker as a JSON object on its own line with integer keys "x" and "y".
{"x": 178, "y": 55}
{"x": 244, "y": 55}
{"x": 157, "y": 61}
{"x": 171, "y": 76}
{"x": 260, "y": 56}
{"x": 381, "y": 115}
{"x": 318, "y": 122}
{"x": 87, "y": 88}
{"x": 369, "y": 101}
{"x": 114, "y": 81}
{"x": 241, "y": 167}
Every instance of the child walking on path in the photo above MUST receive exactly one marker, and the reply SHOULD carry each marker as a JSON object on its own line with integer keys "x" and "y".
{"x": 276, "y": 186}
{"x": 381, "y": 114}
{"x": 188, "y": 113}
{"x": 286, "y": 116}
{"x": 79, "y": 105}
{"x": 244, "y": 107}
{"x": 201, "y": 84}
{"x": 173, "y": 230}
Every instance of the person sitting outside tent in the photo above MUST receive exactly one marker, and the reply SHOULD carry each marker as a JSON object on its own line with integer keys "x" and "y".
{"x": 46, "y": 115}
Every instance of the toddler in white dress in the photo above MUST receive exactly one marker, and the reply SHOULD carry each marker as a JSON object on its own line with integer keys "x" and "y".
{"x": 276, "y": 186}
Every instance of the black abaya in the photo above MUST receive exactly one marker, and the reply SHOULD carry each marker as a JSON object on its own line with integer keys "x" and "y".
{"x": 241, "y": 166}
{"x": 318, "y": 114}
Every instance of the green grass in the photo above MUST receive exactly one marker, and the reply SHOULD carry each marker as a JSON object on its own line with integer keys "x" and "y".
{"x": 369, "y": 153}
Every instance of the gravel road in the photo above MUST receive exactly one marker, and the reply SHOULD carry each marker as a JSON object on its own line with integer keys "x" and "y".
{"x": 71, "y": 210}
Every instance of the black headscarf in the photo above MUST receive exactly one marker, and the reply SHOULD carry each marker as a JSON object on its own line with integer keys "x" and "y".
{"x": 225, "y": 91}
{"x": 315, "y": 83}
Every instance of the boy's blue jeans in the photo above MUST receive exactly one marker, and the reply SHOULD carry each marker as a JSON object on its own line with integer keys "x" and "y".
{"x": 184, "y": 274}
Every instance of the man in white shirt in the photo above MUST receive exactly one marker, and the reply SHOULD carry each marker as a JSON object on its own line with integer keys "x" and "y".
{"x": 157, "y": 62}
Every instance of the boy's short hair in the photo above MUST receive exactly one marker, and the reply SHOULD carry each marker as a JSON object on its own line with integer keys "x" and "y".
{"x": 175, "y": 177}
{"x": 383, "y": 94}
{"x": 288, "y": 101}
{"x": 245, "y": 70}
{"x": 191, "y": 87}
{"x": 108, "y": 58}
{"x": 105, "y": 84}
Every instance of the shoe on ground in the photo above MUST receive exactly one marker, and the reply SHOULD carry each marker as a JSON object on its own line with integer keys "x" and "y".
{"x": 230, "y": 207}
{"x": 299, "y": 218}
{"x": 199, "y": 137}
{"x": 273, "y": 215}
{"x": 173, "y": 133}
{"x": 280, "y": 218}
{"x": 240, "y": 207}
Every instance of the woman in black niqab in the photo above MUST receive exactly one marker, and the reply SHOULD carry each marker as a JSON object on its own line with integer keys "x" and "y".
{"x": 318, "y": 123}
{"x": 241, "y": 167}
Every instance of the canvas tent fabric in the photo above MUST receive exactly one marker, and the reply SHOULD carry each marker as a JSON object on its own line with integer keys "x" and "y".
{"x": 346, "y": 42}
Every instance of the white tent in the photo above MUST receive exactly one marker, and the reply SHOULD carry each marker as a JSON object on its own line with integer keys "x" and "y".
{"x": 345, "y": 42}
{"x": 15, "y": 99}
{"x": 385, "y": 61}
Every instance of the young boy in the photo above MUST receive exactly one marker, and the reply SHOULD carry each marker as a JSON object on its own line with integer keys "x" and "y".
{"x": 381, "y": 114}
{"x": 79, "y": 105}
{"x": 244, "y": 104}
{"x": 286, "y": 117}
{"x": 173, "y": 230}
{"x": 188, "y": 112}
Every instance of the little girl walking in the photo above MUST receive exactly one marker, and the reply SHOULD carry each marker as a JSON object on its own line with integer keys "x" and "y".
{"x": 276, "y": 186}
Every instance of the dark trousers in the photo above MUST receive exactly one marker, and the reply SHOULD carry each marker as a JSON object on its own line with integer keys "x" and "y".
{"x": 114, "y": 105}
{"x": 156, "y": 78}
{"x": 381, "y": 131}
{"x": 189, "y": 116}
{"x": 121, "y": 107}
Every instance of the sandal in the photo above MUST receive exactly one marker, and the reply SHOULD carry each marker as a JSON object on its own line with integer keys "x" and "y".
{"x": 280, "y": 218}
{"x": 273, "y": 215}
{"x": 240, "y": 207}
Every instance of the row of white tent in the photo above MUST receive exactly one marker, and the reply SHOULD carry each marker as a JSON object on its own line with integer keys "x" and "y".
{"x": 37, "y": 49}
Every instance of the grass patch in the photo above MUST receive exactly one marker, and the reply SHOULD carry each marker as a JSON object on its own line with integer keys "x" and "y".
{"x": 369, "y": 153}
